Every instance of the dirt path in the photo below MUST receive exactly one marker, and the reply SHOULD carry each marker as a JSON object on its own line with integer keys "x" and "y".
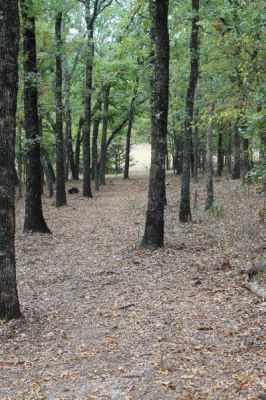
{"x": 107, "y": 320}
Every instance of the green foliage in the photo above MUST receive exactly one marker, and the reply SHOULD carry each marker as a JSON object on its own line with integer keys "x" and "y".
{"x": 217, "y": 210}
{"x": 257, "y": 174}
{"x": 232, "y": 64}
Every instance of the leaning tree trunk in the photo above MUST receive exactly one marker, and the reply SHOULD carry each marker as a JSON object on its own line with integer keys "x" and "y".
{"x": 209, "y": 169}
{"x": 9, "y": 44}
{"x": 237, "y": 153}
{"x": 106, "y": 92}
{"x": 60, "y": 167}
{"x": 185, "y": 211}
{"x": 34, "y": 220}
{"x": 154, "y": 229}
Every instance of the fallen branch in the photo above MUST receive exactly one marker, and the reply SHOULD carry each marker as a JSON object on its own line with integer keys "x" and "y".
{"x": 126, "y": 306}
{"x": 254, "y": 287}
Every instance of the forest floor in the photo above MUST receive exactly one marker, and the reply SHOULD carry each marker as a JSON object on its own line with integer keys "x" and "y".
{"x": 105, "y": 319}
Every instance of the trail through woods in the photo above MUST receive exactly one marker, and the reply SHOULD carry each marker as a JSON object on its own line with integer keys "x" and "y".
{"x": 105, "y": 319}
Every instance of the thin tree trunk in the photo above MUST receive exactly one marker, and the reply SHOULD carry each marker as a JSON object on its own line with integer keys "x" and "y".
{"x": 196, "y": 154}
{"x": 128, "y": 139}
{"x": 178, "y": 155}
{"x": 96, "y": 123}
{"x": 185, "y": 210}
{"x": 77, "y": 148}
{"x": 245, "y": 154}
{"x": 192, "y": 156}
{"x": 9, "y": 45}
{"x": 60, "y": 167}
{"x": 48, "y": 164}
{"x": 34, "y": 220}
{"x": 154, "y": 228}
{"x": 106, "y": 93}
{"x": 220, "y": 155}
{"x": 209, "y": 168}
{"x": 69, "y": 148}
{"x": 87, "y": 104}
{"x": 48, "y": 179}
{"x": 237, "y": 153}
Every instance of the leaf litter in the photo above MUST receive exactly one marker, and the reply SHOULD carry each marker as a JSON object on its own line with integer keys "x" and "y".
{"x": 106, "y": 319}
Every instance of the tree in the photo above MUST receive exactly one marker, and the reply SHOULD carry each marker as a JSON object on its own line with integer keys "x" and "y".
{"x": 34, "y": 220}
{"x": 106, "y": 93}
{"x": 129, "y": 130}
{"x": 154, "y": 228}
{"x": 92, "y": 10}
{"x": 185, "y": 211}
{"x": 60, "y": 170}
{"x": 209, "y": 166}
{"x": 9, "y": 45}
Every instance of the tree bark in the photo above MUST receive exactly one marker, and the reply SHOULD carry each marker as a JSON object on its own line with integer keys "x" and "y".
{"x": 87, "y": 103}
{"x": 9, "y": 45}
{"x": 20, "y": 160}
{"x": 34, "y": 220}
{"x": 106, "y": 93}
{"x": 48, "y": 164}
{"x": 245, "y": 156}
{"x": 77, "y": 148}
{"x": 185, "y": 210}
{"x": 69, "y": 148}
{"x": 128, "y": 139}
{"x": 196, "y": 154}
{"x": 60, "y": 167}
{"x": 209, "y": 169}
{"x": 177, "y": 162}
{"x": 154, "y": 228}
{"x": 237, "y": 152}
{"x": 96, "y": 123}
{"x": 220, "y": 155}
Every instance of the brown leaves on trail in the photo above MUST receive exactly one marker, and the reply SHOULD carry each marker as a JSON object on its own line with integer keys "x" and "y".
{"x": 105, "y": 319}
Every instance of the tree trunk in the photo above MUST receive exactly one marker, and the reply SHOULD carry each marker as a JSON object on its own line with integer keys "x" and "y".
{"x": 228, "y": 155}
{"x": 185, "y": 211}
{"x": 245, "y": 160}
{"x": 237, "y": 152}
{"x": 96, "y": 123}
{"x": 34, "y": 220}
{"x": 20, "y": 160}
{"x": 177, "y": 161}
{"x": 48, "y": 164}
{"x": 192, "y": 156}
{"x": 128, "y": 140}
{"x": 60, "y": 167}
{"x": 9, "y": 44}
{"x": 196, "y": 154}
{"x": 69, "y": 148}
{"x": 106, "y": 92}
{"x": 77, "y": 148}
{"x": 220, "y": 155}
{"x": 209, "y": 169}
{"x": 154, "y": 229}
{"x": 87, "y": 104}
